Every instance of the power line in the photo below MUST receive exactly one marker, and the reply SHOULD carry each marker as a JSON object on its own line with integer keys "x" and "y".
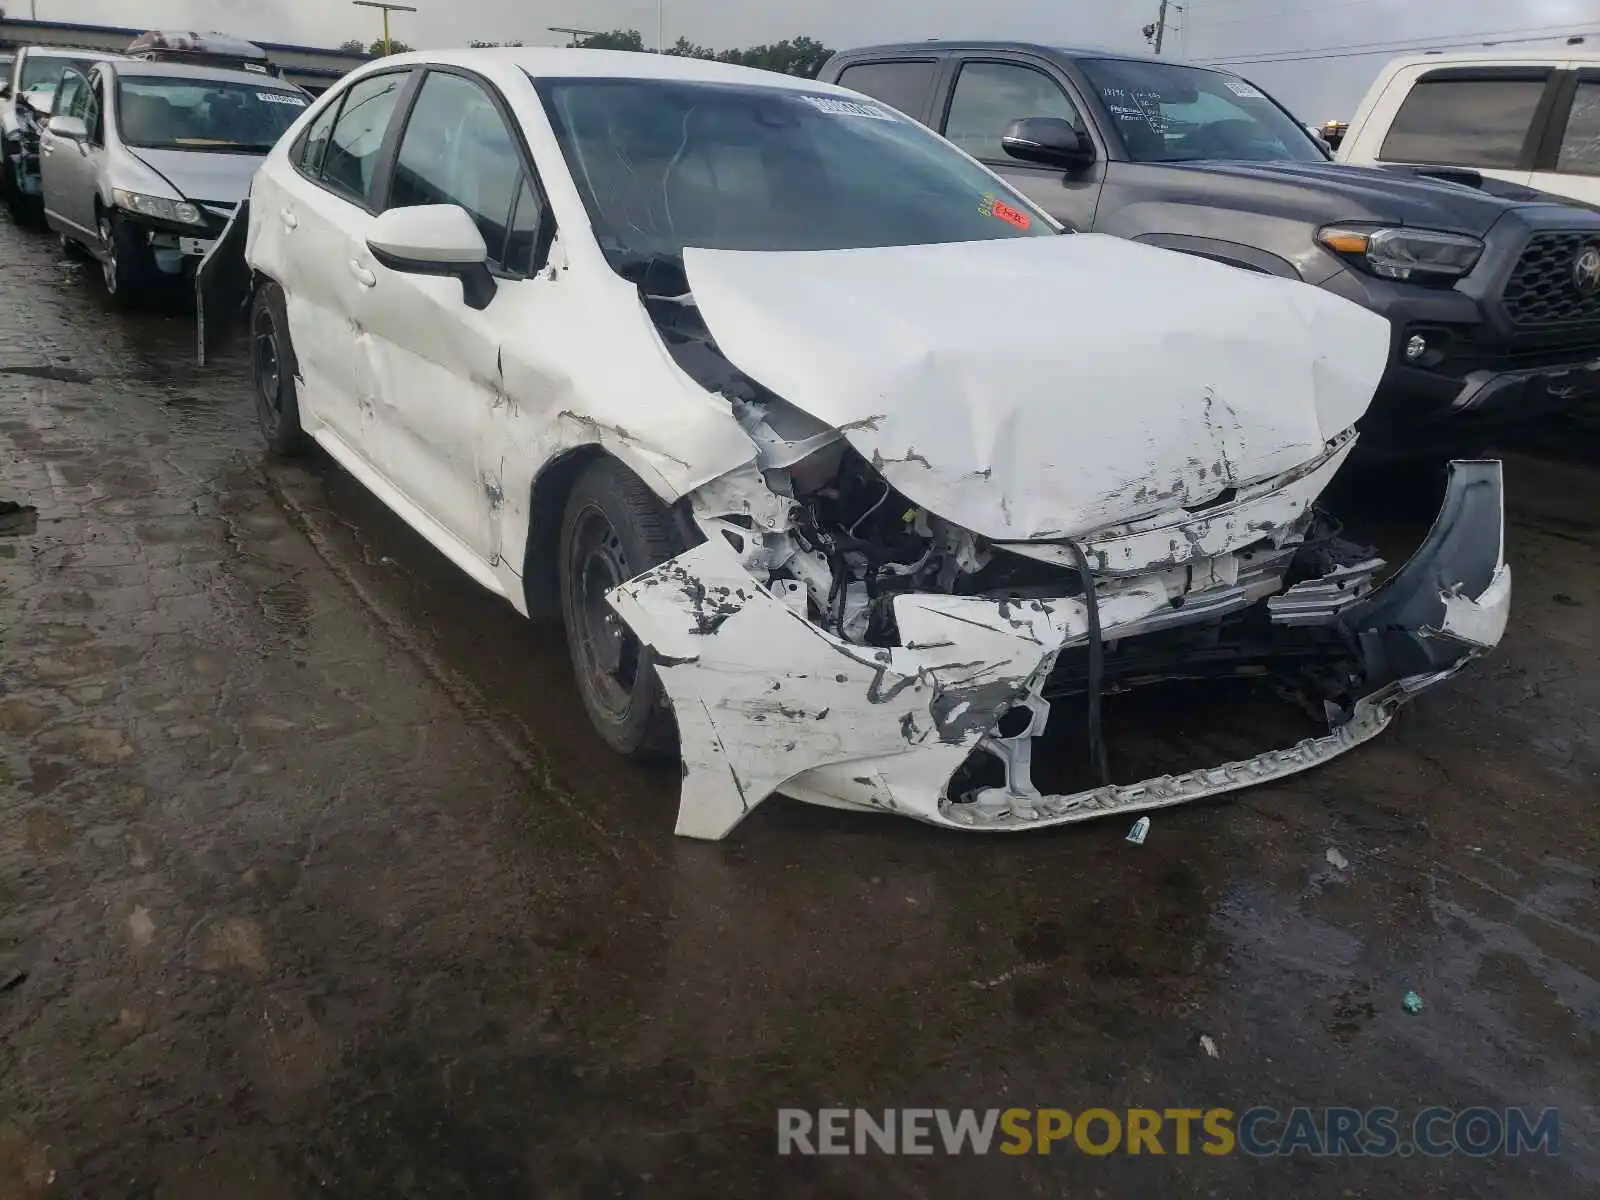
{"x": 1359, "y": 49}
{"x": 1313, "y": 10}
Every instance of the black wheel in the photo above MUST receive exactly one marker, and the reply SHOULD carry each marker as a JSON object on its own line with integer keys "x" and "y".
{"x": 615, "y": 529}
{"x": 124, "y": 260}
{"x": 272, "y": 371}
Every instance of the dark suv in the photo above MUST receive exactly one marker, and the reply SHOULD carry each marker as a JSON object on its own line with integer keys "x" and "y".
{"x": 1492, "y": 290}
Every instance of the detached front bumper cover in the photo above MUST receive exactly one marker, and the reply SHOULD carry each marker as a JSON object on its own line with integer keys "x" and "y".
{"x": 766, "y": 701}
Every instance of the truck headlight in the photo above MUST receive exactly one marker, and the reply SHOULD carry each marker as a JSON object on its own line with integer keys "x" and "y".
{"x": 159, "y": 207}
{"x": 1419, "y": 255}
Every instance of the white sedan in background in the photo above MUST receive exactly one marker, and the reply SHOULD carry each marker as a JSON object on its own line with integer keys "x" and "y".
{"x": 839, "y": 461}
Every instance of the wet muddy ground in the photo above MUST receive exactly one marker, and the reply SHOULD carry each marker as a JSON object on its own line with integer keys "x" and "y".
{"x": 314, "y": 881}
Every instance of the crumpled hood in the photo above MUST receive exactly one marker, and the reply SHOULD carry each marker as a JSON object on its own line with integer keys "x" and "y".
{"x": 1046, "y": 387}
{"x": 198, "y": 175}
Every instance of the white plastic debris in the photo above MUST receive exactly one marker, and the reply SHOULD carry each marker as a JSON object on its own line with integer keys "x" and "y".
{"x": 1337, "y": 861}
{"x": 1209, "y": 1046}
{"x": 1140, "y": 831}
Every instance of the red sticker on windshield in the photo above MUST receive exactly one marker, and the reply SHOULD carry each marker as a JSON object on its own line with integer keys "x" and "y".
{"x": 992, "y": 207}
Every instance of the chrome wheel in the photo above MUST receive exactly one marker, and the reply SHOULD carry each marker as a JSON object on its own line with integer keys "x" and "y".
{"x": 108, "y": 254}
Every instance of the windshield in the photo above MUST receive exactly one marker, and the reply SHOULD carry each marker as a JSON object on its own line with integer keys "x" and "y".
{"x": 39, "y": 68}
{"x": 1171, "y": 113}
{"x": 664, "y": 164}
{"x": 155, "y": 113}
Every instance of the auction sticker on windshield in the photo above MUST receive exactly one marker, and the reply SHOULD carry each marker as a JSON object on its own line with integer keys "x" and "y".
{"x": 993, "y": 206}
{"x": 846, "y": 108}
{"x": 281, "y": 98}
{"x": 1241, "y": 89}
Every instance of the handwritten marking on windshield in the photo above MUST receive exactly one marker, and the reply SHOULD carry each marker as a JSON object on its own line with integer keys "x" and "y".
{"x": 993, "y": 206}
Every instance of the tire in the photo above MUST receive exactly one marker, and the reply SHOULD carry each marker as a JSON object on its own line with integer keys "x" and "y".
{"x": 124, "y": 260}
{"x": 614, "y": 529}
{"x": 273, "y": 368}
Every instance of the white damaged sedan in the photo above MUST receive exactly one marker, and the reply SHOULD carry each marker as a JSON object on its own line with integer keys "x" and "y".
{"x": 841, "y": 463}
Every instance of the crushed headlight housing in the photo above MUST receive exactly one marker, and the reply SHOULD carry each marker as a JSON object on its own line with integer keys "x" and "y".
{"x": 159, "y": 207}
{"x": 1414, "y": 255}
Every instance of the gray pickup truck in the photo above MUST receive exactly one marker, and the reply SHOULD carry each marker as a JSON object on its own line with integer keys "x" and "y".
{"x": 1492, "y": 290}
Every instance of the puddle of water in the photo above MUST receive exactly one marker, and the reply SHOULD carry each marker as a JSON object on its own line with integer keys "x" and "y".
{"x": 17, "y": 520}
{"x": 50, "y": 371}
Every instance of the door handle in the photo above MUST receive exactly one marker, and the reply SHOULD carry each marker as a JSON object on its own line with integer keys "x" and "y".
{"x": 290, "y": 221}
{"x": 363, "y": 276}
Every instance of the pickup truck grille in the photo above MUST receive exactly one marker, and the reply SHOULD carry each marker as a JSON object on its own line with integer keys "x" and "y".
{"x": 1544, "y": 292}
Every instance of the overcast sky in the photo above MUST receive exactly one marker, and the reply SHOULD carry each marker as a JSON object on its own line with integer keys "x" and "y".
{"x": 1316, "y": 88}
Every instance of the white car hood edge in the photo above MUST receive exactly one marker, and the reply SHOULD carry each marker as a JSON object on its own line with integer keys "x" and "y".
{"x": 1036, "y": 388}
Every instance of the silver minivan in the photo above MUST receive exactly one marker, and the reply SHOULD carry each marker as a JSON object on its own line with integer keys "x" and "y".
{"x": 143, "y": 163}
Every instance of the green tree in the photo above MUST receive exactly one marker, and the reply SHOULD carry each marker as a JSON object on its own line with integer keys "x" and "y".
{"x": 377, "y": 49}
{"x": 684, "y": 48}
{"x": 353, "y": 46}
{"x": 801, "y": 56}
{"x": 617, "y": 39}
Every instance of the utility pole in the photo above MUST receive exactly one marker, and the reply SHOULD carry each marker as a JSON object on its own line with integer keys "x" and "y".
{"x": 388, "y": 45}
{"x": 1156, "y": 33}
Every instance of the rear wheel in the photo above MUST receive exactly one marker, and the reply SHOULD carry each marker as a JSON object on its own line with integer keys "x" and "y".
{"x": 614, "y": 529}
{"x": 124, "y": 260}
{"x": 273, "y": 369}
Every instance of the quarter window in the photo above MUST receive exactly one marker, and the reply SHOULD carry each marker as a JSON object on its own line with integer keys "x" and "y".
{"x": 1580, "y": 148}
{"x": 351, "y": 158}
{"x": 989, "y": 96}
{"x": 456, "y": 149}
{"x": 1464, "y": 122}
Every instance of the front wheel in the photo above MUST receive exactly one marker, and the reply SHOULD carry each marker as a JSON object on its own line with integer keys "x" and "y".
{"x": 614, "y": 529}
{"x": 124, "y": 260}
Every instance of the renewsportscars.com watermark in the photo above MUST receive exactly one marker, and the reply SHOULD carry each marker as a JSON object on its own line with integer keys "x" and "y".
{"x": 1256, "y": 1132}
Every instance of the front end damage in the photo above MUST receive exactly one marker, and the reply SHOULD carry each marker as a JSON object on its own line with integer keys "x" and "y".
{"x": 884, "y": 661}
{"x": 948, "y": 536}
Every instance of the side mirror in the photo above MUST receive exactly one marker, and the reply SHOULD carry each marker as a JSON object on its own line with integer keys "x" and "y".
{"x": 5, "y": 91}
{"x": 435, "y": 239}
{"x": 1050, "y": 141}
{"x": 71, "y": 128}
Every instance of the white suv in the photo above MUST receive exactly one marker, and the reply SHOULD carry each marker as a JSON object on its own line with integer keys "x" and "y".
{"x": 1528, "y": 118}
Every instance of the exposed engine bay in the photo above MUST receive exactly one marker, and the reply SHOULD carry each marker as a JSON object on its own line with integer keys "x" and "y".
{"x": 836, "y": 637}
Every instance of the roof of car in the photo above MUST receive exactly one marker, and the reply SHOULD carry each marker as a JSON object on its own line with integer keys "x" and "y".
{"x": 145, "y": 68}
{"x": 936, "y": 44}
{"x": 68, "y": 52}
{"x": 1489, "y": 57}
{"x": 548, "y": 62}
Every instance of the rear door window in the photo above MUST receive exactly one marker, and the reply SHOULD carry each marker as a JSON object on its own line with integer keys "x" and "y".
{"x": 1465, "y": 122}
{"x": 903, "y": 85}
{"x": 351, "y": 159}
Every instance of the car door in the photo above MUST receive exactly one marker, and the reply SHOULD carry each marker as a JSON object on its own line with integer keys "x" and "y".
{"x": 64, "y": 167}
{"x": 1569, "y": 160}
{"x": 988, "y": 93}
{"x": 436, "y": 360}
{"x": 310, "y": 225}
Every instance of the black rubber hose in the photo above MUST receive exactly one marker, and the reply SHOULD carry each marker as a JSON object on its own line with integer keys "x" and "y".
{"x": 1097, "y": 667}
